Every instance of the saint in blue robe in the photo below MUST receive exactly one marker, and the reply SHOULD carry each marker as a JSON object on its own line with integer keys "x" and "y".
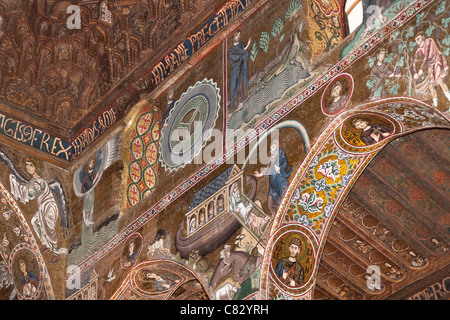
{"x": 238, "y": 57}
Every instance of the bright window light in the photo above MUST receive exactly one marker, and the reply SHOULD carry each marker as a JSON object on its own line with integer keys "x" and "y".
{"x": 354, "y": 10}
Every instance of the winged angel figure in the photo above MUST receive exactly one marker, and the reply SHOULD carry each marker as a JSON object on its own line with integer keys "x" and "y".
{"x": 88, "y": 175}
{"x": 51, "y": 202}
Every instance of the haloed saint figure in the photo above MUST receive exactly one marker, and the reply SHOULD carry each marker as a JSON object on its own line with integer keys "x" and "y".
{"x": 45, "y": 218}
{"x": 371, "y": 133}
{"x": 28, "y": 279}
{"x": 288, "y": 269}
{"x": 90, "y": 175}
{"x": 238, "y": 58}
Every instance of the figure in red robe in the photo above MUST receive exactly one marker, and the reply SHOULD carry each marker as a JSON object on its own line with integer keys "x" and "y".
{"x": 433, "y": 63}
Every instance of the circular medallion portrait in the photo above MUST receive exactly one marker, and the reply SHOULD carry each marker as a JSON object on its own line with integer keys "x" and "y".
{"x": 293, "y": 257}
{"x": 131, "y": 251}
{"x": 27, "y": 275}
{"x": 337, "y": 94}
{"x": 366, "y": 129}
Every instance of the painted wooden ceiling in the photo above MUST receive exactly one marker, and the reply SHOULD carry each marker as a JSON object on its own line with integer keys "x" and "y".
{"x": 60, "y": 79}
{"x": 395, "y": 217}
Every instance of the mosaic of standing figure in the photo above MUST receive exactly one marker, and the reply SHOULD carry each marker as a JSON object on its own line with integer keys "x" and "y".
{"x": 415, "y": 60}
{"x": 35, "y": 225}
{"x": 262, "y": 68}
{"x": 51, "y": 204}
{"x": 220, "y": 229}
{"x": 86, "y": 179}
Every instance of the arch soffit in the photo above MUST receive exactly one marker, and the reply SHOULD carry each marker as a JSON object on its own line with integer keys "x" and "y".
{"x": 406, "y": 115}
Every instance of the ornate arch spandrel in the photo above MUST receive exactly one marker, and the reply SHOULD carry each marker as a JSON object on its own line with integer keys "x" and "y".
{"x": 18, "y": 243}
{"x": 159, "y": 279}
{"x": 326, "y": 176}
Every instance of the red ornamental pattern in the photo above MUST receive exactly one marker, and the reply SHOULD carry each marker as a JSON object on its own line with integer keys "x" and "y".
{"x": 143, "y": 158}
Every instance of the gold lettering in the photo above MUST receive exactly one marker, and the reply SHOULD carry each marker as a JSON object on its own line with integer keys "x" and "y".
{"x": 2, "y": 120}
{"x": 90, "y": 135}
{"x": 66, "y": 151}
{"x": 18, "y": 130}
{"x": 9, "y": 132}
{"x": 181, "y": 52}
{"x": 214, "y": 23}
{"x": 197, "y": 40}
{"x": 33, "y": 139}
{"x": 106, "y": 119}
{"x": 437, "y": 290}
{"x": 102, "y": 125}
{"x": 27, "y": 134}
{"x": 175, "y": 58}
{"x": 44, "y": 141}
{"x": 114, "y": 115}
{"x": 158, "y": 73}
{"x": 54, "y": 145}
{"x": 111, "y": 115}
{"x": 83, "y": 140}
{"x": 76, "y": 147}
{"x": 170, "y": 63}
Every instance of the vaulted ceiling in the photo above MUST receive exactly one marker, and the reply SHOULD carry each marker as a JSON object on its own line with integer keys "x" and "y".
{"x": 396, "y": 217}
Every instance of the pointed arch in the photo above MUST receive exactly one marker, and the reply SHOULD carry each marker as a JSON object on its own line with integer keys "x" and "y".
{"x": 175, "y": 276}
{"x": 328, "y": 173}
{"x": 18, "y": 242}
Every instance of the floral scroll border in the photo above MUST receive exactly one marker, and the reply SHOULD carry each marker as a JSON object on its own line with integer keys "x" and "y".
{"x": 408, "y": 114}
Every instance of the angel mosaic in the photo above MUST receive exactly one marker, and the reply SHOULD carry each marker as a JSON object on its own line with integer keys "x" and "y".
{"x": 46, "y": 193}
